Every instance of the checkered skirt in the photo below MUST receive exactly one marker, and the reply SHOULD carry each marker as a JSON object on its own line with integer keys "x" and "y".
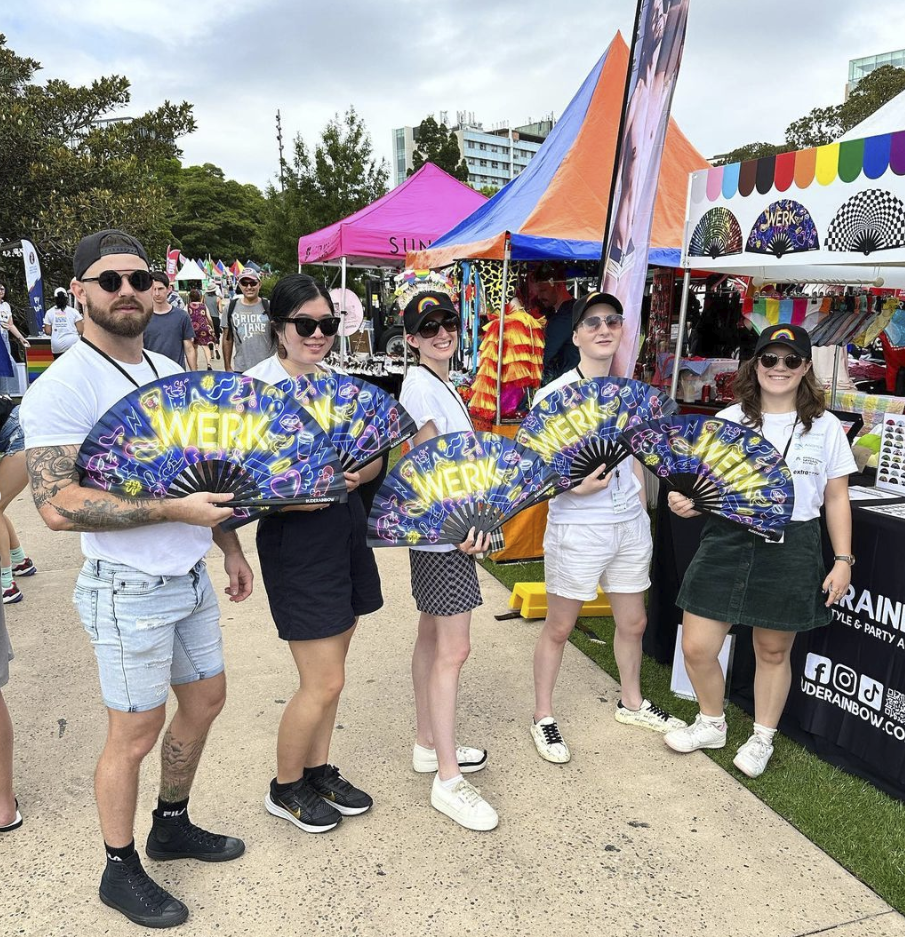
{"x": 444, "y": 583}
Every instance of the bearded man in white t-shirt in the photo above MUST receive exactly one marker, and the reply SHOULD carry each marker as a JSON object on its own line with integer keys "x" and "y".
{"x": 143, "y": 593}
{"x": 598, "y": 533}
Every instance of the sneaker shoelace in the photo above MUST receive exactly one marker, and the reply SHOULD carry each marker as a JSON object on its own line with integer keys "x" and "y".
{"x": 468, "y": 793}
{"x": 760, "y": 745}
{"x": 658, "y": 712}
{"x": 202, "y": 837}
{"x": 336, "y": 781}
{"x": 148, "y": 892}
{"x": 551, "y": 734}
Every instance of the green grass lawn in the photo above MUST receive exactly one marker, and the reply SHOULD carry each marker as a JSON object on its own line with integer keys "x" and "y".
{"x": 860, "y": 827}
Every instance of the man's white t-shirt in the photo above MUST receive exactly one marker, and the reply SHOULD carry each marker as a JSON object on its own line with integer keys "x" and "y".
{"x": 428, "y": 399}
{"x": 813, "y": 458}
{"x": 63, "y": 333}
{"x": 598, "y": 508}
{"x": 61, "y": 408}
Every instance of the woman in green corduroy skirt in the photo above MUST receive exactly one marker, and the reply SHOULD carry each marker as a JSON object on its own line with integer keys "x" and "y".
{"x": 776, "y": 589}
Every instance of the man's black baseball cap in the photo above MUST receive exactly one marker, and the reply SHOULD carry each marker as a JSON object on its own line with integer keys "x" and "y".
{"x": 110, "y": 241}
{"x": 793, "y": 336}
{"x": 593, "y": 299}
{"x": 420, "y": 306}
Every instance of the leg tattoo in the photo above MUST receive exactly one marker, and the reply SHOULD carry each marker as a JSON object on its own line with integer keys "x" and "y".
{"x": 178, "y": 764}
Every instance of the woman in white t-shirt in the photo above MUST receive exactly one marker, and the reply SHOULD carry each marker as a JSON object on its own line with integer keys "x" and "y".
{"x": 778, "y": 589}
{"x": 62, "y": 323}
{"x": 9, "y": 381}
{"x": 320, "y": 577}
{"x": 444, "y": 578}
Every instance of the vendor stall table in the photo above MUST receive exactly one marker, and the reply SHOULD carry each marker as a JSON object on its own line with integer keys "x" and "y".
{"x": 847, "y": 702}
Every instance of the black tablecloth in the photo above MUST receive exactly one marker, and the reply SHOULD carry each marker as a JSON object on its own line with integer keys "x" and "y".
{"x": 847, "y": 701}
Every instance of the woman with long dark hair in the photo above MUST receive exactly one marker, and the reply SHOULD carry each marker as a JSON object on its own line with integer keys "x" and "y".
{"x": 320, "y": 577}
{"x": 777, "y": 589}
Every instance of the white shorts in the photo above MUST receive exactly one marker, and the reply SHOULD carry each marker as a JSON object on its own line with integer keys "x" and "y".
{"x": 579, "y": 557}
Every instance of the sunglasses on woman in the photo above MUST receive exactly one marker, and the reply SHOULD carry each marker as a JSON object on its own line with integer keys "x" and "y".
{"x": 431, "y": 328}
{"x": 792, "y": 362}
{"x": 110, "y": 280}
{"x": 306, "y": 326}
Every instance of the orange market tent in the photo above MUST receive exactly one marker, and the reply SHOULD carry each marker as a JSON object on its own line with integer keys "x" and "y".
{"x": 555, "y": 209}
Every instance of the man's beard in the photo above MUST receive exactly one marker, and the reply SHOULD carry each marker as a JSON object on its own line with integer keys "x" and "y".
{"x": 128, "y": 325}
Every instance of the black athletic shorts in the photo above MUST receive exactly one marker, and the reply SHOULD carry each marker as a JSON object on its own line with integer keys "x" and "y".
{"x": 318, "y": 572}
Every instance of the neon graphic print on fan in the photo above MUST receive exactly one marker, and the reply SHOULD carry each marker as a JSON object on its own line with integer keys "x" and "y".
{"x": 207, "y": 432}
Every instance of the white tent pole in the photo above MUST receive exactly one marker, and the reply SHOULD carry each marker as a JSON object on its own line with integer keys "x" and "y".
{"x": 499, "y": 356}
{"x": 683, "y": 312}
{"x": 342, "y": 315}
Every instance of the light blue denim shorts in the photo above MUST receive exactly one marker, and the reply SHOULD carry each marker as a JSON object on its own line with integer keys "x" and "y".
{"x": 149, "y": 632}
{"x": 12, "y": 439}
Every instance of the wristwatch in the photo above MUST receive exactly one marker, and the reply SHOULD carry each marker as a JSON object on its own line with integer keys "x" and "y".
{"x": 848, "y": 559}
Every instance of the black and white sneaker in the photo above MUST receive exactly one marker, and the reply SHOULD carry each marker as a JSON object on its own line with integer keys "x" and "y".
{"x": 178, "y": 838}
{"x": 339, "y": 793}
{"x": 127, "y": 888}
{"x": 302, "y": 806}
{"x": 649, "y": 716}
{"x": 548, "y": 741}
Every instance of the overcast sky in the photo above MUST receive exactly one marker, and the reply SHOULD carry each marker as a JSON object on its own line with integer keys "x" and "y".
{"x": 750, "y": 66}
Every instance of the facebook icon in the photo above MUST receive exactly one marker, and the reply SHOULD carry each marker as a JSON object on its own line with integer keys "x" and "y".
{"x": 818, "y": 669}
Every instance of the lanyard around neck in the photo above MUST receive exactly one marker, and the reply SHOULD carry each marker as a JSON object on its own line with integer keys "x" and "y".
{"x": 118, "y": 366}
{"x": 785, "y": 451}
{"x": 460, "y": 401}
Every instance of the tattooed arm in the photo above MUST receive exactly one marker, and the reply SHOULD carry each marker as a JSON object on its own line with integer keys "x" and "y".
{"x": 65, "y": 505}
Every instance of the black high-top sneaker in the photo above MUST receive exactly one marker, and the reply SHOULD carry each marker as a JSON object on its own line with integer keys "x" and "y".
{"x": 127, "y": 888}
{"x": 178, "y": 838}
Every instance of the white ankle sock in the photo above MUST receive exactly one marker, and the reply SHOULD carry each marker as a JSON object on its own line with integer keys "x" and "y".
{"x": 764, "y": 732}
{"x": 424, "y": 748}
{"x": 718, "y": 722}
{"x": 451, "y": 783}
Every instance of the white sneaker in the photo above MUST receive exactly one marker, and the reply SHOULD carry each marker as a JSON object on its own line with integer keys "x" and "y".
{"x": 649, "y": 716}
{"x": 464, "y": 804}
{"x": 699, "y": 734}
{"x": 548, "y": 742}
{"x": 424, "y": 760}
{"x": 753, "y": 756}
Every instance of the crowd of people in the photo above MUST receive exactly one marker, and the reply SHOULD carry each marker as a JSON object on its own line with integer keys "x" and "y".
{"x": 145, "y": 562}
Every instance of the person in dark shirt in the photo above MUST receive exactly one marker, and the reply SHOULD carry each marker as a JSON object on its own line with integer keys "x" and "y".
{"x": 560, "y": 354}
{"x": 170, "y": 330}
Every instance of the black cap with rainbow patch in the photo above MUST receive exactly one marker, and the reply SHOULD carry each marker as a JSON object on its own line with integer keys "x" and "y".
{"x": 793, "y": 336}
{"x": 422, "y": 305}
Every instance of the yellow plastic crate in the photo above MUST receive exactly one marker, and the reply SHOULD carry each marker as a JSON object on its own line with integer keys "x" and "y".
{"x": 531, "y": 599}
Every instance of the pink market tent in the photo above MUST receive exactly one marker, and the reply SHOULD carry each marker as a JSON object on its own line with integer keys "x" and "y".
{"x": 410, "y": 217}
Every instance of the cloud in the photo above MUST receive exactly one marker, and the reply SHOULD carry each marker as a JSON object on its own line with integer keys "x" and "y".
{"x": 750, "y": 68}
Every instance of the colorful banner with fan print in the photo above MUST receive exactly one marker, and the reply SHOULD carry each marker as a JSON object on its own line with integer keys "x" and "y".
{"x": 838, "y": 205}
{"x": 656, "y": 56}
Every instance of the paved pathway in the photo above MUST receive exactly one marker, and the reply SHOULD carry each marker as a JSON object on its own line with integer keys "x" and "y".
{"x": 627, "y": 839}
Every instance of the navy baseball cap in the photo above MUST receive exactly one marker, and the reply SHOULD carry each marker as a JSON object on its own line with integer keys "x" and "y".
{"x": 109, "y": 241}
{"x": 420, "y": 306}
{"x": 792, "y": 336}
{"x": 593, "y": 299}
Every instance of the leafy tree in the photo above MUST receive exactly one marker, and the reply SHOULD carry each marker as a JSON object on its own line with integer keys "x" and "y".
{"x": 437, "y": 144}
{"x": 749, "y": 151}
{"x": 321, "y": 187}
{"x": 215, "y": 215}
{"x": 488, "y": 190}
{"x": 823, "y": 125}
{"x": 67, "y": 169}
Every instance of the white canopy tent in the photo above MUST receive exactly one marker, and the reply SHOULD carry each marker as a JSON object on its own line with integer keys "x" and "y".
{"x": 190, "y": 271}
{"x": 830, "y": 214}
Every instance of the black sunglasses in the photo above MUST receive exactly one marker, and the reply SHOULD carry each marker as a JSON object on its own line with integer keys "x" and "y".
{"x": 110, "y": 280}
{"x": 248, "y": 282}
{"x": 792, "y": 362}
{"x": 306, "y": 325}
{"x": 431, "y": 328}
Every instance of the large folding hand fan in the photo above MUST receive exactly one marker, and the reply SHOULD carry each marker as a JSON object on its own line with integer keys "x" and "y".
{"x": 783, "y": 227}
{"x": 716, "y": 235}
{"x": 361, "y": 420}
{"x": 442, "y": 488}
{"x": 725, "y": 469}
{"x": 576, "y": 428}
{"x": 212, "y": 431}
